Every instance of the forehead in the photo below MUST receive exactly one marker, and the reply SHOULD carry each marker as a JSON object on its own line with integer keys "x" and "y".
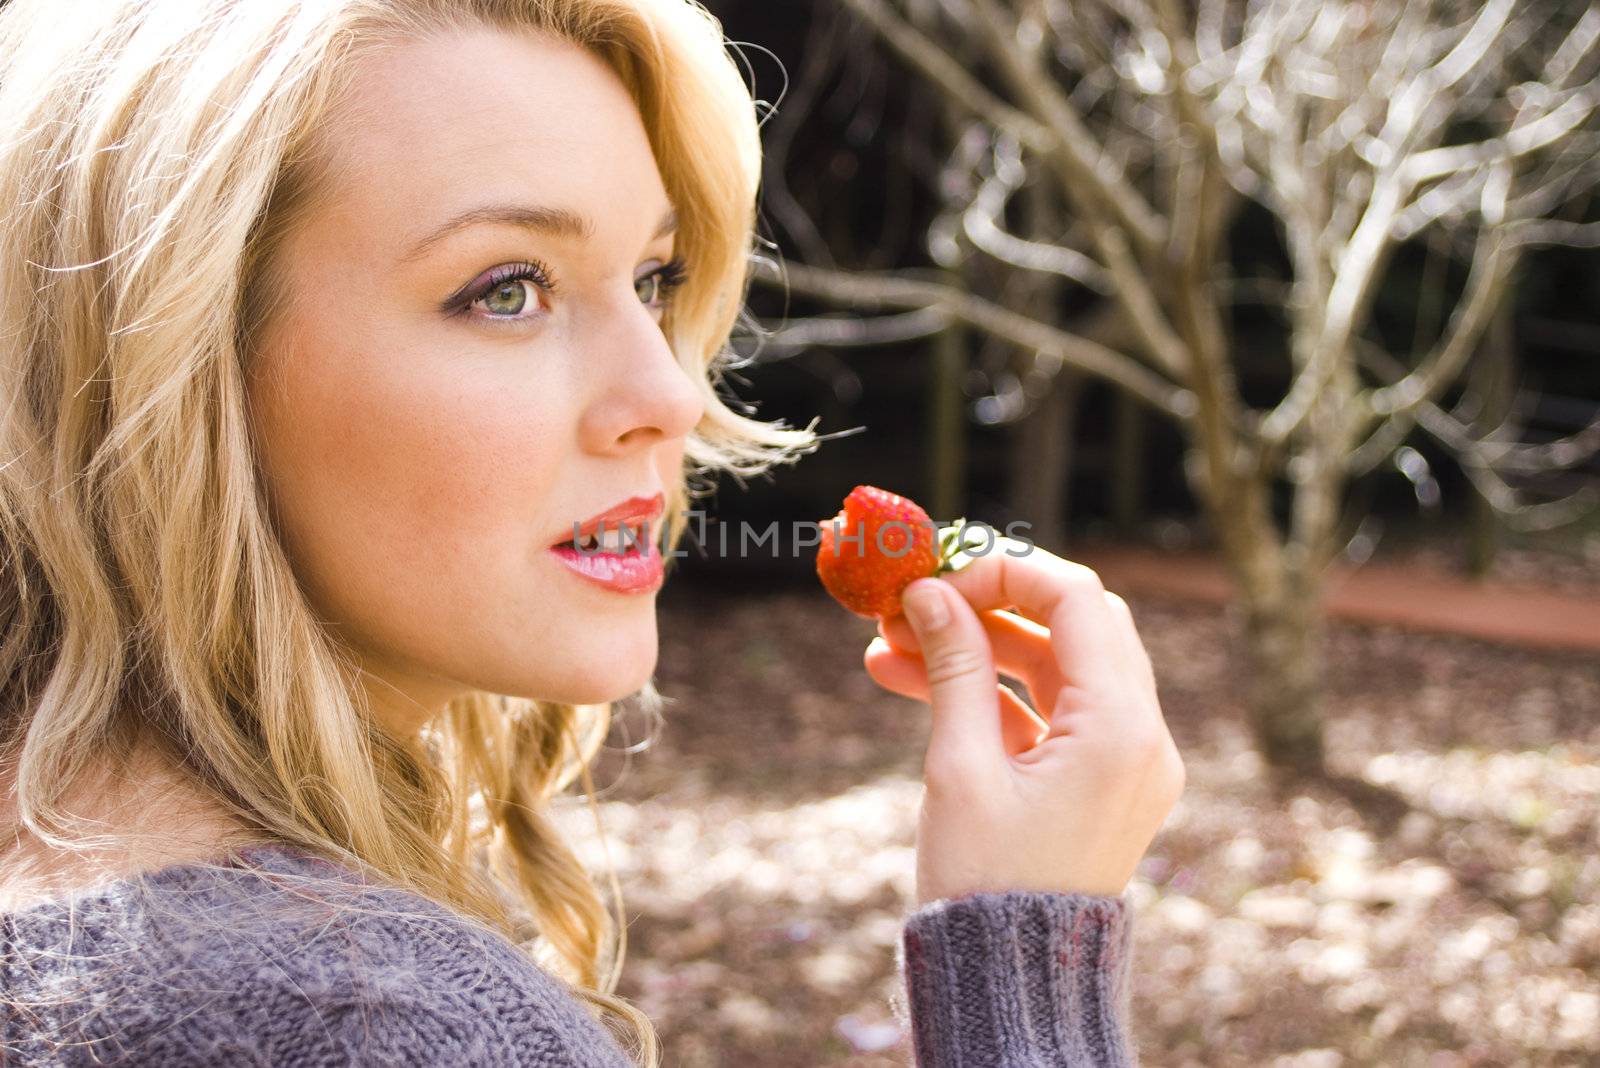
{"x": 434, "y": 126}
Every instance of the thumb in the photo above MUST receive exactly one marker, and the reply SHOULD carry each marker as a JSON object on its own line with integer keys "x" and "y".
{"x": 963, "y": 688}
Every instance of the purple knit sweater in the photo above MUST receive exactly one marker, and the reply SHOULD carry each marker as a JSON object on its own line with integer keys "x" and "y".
{"x": 279, "y": 958}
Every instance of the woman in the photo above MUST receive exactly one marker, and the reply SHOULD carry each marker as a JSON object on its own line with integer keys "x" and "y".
{"x": 326, "y": 324}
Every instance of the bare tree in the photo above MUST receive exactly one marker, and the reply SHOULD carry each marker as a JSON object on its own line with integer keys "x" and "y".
{"x": 1360, "y": 125}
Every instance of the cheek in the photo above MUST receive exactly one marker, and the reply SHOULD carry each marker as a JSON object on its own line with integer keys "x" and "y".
{"x": 410, "y": 483}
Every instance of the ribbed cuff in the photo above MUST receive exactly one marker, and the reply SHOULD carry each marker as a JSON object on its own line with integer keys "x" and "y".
{"x": 1019, "y": 979}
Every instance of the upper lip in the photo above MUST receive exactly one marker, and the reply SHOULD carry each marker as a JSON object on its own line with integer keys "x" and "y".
{"x": 632, "y": 511}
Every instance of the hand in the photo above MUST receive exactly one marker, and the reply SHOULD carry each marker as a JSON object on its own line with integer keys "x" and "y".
{"x": 1067, "y": 803}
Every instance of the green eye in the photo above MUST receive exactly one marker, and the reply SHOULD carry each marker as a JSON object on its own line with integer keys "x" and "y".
{"x": 656, "y": 287}
{"x": 508, "y": 298}
{"x": 510, "y": 293}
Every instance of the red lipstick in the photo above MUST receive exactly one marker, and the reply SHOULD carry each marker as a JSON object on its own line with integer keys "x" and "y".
{"x": 638, "y": 567}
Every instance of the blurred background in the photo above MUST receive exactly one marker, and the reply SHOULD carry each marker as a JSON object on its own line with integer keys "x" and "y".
{"x": 1284, "y": 317}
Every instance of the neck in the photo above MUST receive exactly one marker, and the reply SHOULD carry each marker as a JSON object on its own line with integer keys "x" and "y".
{"x": 127, "y": 815}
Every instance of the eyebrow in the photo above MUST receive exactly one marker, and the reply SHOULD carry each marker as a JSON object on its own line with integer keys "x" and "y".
{"x": 554, "y": 221}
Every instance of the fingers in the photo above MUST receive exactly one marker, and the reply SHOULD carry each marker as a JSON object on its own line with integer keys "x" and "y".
{"x": 1021, "y": 649}
{"x": 1021, "y": 727}
{"x": 963, "y": 688}
{"x": 1065, "y": 597}
{"x": 1139, "y": 656}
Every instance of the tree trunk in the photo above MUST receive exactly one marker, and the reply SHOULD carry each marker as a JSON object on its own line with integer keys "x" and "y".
{"x": 1285, "y": 657}
{"x": 1041, "y": 461}
{"x": 1042, "y": 447}
{"x": 1275, "y": 622}
{"x": 1493, "y": 373}
{"x": 947, "y": 427}
{"x": 1127, "y": 463}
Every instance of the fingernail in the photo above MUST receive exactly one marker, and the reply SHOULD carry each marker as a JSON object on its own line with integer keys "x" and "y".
{"x": 927, "y": 606}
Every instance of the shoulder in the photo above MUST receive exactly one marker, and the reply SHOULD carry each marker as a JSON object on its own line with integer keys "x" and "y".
{"x": 293, "y": 960}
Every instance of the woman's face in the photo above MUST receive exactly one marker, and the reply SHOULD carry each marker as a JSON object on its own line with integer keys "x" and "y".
{"x": 459, "y": 375}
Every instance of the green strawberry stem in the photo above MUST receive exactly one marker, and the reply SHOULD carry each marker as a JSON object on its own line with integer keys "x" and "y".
{"x": 952, "y": 547}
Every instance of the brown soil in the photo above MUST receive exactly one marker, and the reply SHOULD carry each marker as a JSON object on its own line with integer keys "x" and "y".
{"x": 1437, "y": 903}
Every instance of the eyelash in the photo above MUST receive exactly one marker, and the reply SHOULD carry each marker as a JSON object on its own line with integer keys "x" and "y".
{"x": 669, "y": 276}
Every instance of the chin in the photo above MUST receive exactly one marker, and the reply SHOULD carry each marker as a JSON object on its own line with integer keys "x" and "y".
{"x": 601, "y": 692}
{"x": 604, "y": 674}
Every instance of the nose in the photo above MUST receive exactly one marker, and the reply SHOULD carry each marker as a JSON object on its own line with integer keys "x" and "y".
{"x": 645, "y": 395}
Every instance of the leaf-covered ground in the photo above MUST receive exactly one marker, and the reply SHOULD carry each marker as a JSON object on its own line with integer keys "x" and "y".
{"x": 1437, "y": 906}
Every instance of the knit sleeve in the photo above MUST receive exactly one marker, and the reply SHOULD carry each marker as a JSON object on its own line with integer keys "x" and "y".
{"x": 1019, "y": 980}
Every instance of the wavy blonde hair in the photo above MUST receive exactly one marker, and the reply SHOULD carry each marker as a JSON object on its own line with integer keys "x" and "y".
{"x": 153, "y": 156}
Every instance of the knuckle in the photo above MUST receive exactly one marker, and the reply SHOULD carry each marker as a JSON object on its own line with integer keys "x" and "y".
{"x": 1180, "y": 776}
{"x": 1176, "y": 779}
{"x": 1144, "y": 748}
{"x": 1153, "y": 746}
{"x": 1081, "y": 577}
{"x": 953, "y": 663}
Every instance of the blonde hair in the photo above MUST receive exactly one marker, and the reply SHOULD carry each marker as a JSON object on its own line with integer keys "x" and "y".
{"x": 153, "y": 155}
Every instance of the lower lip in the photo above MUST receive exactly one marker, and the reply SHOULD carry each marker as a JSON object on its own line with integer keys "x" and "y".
{"x": 635, "y": 571}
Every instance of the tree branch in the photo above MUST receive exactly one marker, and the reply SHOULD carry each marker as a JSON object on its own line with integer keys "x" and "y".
{"x": 1556, "y": 232}
{"x": 1498, "y": 449}
{"x": 1513, "y": 457}
{"x": 1523, "y": 138}
{"x": 981, "y": 224}
{"x": 1348, "y": 297}
{"x": 877, "y": 291}
{"x": 1492, "y": 262}
{"x": 1145, "y": 312}
{"x": 1087, "y": 166}
{"x": 1529, "y": 517}
{"x": 942, "y": 69}
{"x": 853, "y": 331}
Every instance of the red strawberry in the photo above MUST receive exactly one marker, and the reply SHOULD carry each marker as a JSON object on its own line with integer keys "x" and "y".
{"x": 876, "y": 546}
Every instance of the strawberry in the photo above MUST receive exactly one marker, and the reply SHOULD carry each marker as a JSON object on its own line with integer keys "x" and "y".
{"x": 865, "y": 563}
